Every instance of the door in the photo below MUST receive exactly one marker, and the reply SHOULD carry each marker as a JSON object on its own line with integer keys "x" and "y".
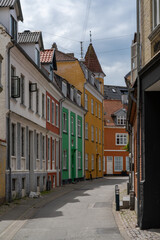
{"x": 109, "y": 165}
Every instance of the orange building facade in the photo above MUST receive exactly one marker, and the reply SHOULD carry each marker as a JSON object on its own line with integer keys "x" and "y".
{"x": 116, "y": 158}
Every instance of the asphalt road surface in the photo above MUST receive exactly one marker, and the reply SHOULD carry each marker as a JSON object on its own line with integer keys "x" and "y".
{"x": 83, "y": 213}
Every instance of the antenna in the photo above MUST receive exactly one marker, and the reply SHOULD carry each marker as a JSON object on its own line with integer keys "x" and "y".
{"x": 90, "y": 37}
{"x": 81, "y": 49}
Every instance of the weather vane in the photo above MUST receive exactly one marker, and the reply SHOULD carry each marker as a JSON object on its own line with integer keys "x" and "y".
{"x": 90, "y": 37}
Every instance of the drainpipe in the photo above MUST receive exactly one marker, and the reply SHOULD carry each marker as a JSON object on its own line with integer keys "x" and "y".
{"x": 60, "y": 101}
{"x": 8, "y": 130}
{"x": 84, "y": 132}
{"x": 138, "y": 113}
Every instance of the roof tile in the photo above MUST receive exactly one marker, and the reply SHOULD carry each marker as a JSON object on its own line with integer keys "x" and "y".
{"x": 46, "y": 56}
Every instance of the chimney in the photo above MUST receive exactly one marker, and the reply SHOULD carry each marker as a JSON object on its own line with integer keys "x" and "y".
{"x": 54, "y": 45}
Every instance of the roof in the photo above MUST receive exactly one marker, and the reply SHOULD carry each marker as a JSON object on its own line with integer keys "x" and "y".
{"x": 31, "y": 37}
{"x": 46, "y": 56}
{"x": 91, "y": 60}
{"x": 114, "y": 92}
{"x": 60, "y": 56}
{"x": 12, "y": 4}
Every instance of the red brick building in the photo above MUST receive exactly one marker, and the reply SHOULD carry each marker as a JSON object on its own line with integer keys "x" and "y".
{"x": 116, "y": 158}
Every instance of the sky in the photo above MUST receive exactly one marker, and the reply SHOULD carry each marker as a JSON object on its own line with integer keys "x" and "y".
{"x": 68, "y": 22}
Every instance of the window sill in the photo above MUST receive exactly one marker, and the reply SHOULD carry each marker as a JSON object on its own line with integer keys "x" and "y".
{"x": 23, "y": 105}
{"x": 37, "y": 114}
{"x": 13, "y": 99}
{"x": 30, "y": 110}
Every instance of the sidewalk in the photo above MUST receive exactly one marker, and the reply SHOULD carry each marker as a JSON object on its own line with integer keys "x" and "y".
{"x": 127, "y": 220}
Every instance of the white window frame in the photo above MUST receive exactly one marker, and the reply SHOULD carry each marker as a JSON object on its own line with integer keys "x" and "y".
{"x": 64, "y": 122}
{"x": 86, "y": 130}
{"x": 127, "y": 164}
{"x": 65, "y": 159}
{"x": 53, "y": 112}
{"x": 48, "y": 109}
{"x": 121, "y": 120}
{"x": 86, "y": 101}
{"x": 79, "y": 128}
{"x": 86, "y": 161}
{"x": 78, "y": 99}
{"x": 121, "y": 139}
{"x": 119, "y": 163}
{"x": 79, "y": 161}
{"x": 92, "y": 161}
{"x": 57, "y": 115}
{"x": 71, "y": 93}
{"x": 64, "y": 88}
{"x": 92, "y": 106}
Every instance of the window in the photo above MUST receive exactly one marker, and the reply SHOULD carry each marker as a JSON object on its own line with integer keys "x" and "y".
{"x": 13, "y": 28}
{"x": 99, "y": 163}
{"x": 53, "y": 115}
{"x": 1, "y": 58}
{"x": 65, "y": 159}
{"x": 48, "y": 109}
{"x": 64, "y": 88}
{"x": 37, "y": 57}
{"x": 92, "y": 80}
{"x": 99, "y": 136}
{"x": 15, "y": 84}
{"x": 86, "y": 74}
{"x": 64, "y": 122}
{"x": 23, "y": 183}
{"x": 43, "y": 104}
{"x": 79, "y": 128}
{"x": 30, "y": 97}
{"x": 13, "y": 184}
{"x": 92, "y": 161}
{"x": 96, "y": 135}
{"x": 92, "y": 106}
{"x": 92, "y": 133}
{"x": 79, "y": 160}
{"x": 86, "y": 102}
{"x": 127, "y": 164}
{"x": 71, "y": 94}
{"x": 104, "y": 164}
{"x": 96, "y": 109}
{"x": 86, "y": 161}
{"x": 86, "y": 130}
{"x": 37, "y": 101}
{"x": 49, "y": 153}
{"x": 43, "y": 147}
{"x": 38, "y": 181}
{"x": 155, "y": 12}
{"x": 72, "y": 125}
{"x": 99, "y": 111}
{"x": 57, "y": 115}
{"x": 78, "y": 99}
{"x": 121, "y": 138}
{"x": 37, "y": 149}
{"x": 53, "y": 154}
{"x": 121, "y": 120}
{"x": 118, "y": 164}
{"x": 22, "y": 89}
{"x": 13, "y": 139}
{"x": 22, "y": 142}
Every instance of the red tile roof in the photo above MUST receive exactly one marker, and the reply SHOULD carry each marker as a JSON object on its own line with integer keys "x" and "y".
{"x": 46, "y": 56}
{"x": 60, "y": 56}
{"x": 91, "y": 60}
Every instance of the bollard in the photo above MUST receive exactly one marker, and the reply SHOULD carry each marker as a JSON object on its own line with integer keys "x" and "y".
{"x": 117, "y": 200}
{"x": 116, "y": 187}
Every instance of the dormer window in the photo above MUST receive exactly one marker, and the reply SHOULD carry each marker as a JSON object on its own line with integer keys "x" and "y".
{"x": 78, "y": 99}
{"x": 92, "y": 80}
{"x": 64, "y": 88}
{"x": 71, "y": 94}
{"x": 121, "y": 120}
{"x": 86, "y": 74}
{"x": 13, "y": 28}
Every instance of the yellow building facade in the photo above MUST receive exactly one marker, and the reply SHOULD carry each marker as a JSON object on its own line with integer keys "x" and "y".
{"x": 91, "y": 84}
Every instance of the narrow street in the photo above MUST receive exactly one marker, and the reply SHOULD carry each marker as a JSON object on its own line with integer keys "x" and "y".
{"x": 84, "y": 211}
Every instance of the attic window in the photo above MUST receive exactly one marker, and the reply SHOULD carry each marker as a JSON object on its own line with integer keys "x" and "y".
{"x": 113, "y": 90}
{"x": 64, "y": 89}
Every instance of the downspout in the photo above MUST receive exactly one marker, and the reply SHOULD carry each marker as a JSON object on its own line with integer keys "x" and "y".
{"x": 61, "y": 101}
{"x": 138, "y": 113}
{"x": 8, "y": 130}
{"x": 84, "y": 133}
{"x": 102, "y": 137}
